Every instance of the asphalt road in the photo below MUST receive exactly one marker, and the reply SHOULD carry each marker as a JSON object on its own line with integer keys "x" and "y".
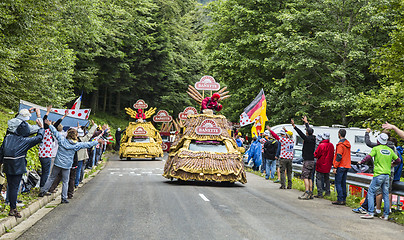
{"x": 131, "y": 200}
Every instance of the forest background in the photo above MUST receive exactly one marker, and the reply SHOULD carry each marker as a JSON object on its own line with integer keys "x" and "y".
{"x": 338, "y": 61}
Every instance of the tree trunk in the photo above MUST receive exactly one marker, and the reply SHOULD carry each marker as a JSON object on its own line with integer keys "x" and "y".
{"x": 118, "y": 102}
{"x": 104, "y": 107}
{"x": 94, "y": 101}
{"x": 110, "y": 102}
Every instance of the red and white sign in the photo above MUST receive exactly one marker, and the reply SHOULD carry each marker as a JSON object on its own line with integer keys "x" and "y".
{"x": 77, "y": 113}
{"x": 140, "y": 104}
{"x": 139, "y": 131}
{"x": 164, "y": 146}
{"x": 208, "y": 127}
{"x": 207, "y": 83}
{"x": 187, "y": 111}
{"x": 162, "y": 116}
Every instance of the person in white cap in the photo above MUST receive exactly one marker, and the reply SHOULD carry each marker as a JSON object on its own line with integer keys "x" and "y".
{"x": 23, "y": 116}
{"x": 118, "y": 136}
{"x": 384, "y": 158}
{"x": 324, "y": 154}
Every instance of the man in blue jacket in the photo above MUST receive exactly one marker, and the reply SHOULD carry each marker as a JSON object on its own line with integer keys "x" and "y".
{"x": 13, "y": 154}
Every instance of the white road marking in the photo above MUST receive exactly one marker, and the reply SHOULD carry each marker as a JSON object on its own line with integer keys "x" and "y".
{"x": 203, "y": 197}
{"x": 136, "y": 171}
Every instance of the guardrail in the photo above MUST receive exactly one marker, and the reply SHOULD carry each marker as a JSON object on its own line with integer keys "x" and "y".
{"x": 362, "y": 181}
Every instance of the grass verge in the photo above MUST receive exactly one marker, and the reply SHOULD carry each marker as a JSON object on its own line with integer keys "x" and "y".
{"x": 352, "y": 201}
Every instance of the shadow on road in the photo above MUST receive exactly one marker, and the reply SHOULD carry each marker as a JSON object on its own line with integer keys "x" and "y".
{"x": 204, "y": 184}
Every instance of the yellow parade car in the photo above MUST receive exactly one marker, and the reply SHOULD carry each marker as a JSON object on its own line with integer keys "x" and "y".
{"x": 205, "y": 151}
{"x": 141, "y": 140}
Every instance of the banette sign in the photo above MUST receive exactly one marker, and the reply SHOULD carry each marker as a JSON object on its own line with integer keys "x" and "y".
{"x": 162, "y": 116}
{"x": 208, "y": 127}
{"x": 140, "y": 104}
{"x": 207, "y": 83}
{"x": 139, "y": 131}
{"x": 187, "y": 111}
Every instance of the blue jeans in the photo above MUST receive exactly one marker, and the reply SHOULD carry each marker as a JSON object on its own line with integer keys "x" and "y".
{"x": 381, "y": 181}
{"x": 323, "y": 183}
{"x": 52, "y": 177}
{"x": 263, "y": 164}
{"x": 270, "y": 167}
{"x": 78, "y": 172}
{"x": 340, "y": 183}
{"x": 45, "y": 165}
{"x": 98, "y": 153}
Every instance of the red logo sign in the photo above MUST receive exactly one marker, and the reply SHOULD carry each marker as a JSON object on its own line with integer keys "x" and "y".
{"x": 140, "y": 104}
{"x": 208, "y": 127}
{"x": 187, "y": 111}
{"x": 164, "y": 146}
{"x": 139, "y": 131}
{"x": 207, "y": 83}
{"x": 162, "y": 116}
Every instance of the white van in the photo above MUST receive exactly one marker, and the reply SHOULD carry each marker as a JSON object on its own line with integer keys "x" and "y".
{"x": 356, "y": 136}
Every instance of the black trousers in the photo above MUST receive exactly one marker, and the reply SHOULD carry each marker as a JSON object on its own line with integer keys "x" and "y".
{"x": 13, "y": 183}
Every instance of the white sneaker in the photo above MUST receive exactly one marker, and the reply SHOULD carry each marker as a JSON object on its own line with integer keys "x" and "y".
{"x": 367, "y": 216}
{"x": 20, "y": 204}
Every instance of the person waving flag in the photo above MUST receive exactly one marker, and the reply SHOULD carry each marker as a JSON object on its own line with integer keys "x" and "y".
{"x": 255, "y": 113}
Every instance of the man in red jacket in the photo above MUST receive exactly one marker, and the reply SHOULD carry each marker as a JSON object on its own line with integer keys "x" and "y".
{"x": 212, "y": 103}
{"x": 324, "y": 154}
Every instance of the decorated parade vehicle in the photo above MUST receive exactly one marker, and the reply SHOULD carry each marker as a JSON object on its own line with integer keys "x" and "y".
{"x": 141, "y": 139}
{"x": 163, "y": 117}
{"x": 205, "y": 149}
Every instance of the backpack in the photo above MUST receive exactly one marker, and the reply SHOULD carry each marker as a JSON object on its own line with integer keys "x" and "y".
{"x": 270, "y": 148}
{"x": 30, "y": 180}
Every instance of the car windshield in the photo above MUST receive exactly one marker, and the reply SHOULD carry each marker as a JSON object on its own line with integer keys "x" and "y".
{"x": 298, "y": 153}
{"x": 140, "y": 139}
{"x": 207, "y": 146}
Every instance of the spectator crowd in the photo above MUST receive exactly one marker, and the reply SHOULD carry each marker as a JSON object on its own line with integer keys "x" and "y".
{"x": 271, "y": 153}
{"x": 64, "y": 153}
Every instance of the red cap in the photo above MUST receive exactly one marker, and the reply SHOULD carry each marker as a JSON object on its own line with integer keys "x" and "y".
{"x": 216, "y": 96}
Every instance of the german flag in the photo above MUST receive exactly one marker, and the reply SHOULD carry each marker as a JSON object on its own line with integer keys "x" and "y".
{"x": 257, "y": 108}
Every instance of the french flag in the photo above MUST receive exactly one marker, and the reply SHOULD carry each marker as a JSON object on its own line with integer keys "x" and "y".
{"x": 77, "y": 103}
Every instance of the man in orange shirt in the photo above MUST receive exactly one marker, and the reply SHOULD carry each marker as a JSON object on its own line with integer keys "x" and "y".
{"x": 342, "y": 163}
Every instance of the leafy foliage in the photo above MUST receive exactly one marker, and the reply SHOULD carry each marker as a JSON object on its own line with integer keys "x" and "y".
{"x": 384, "y": 102}
{"x": 311, "y": 57}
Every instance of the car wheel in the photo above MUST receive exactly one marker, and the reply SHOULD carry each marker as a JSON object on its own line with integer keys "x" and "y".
{"x": 128, "y": 158}
{"x": 153, "y": 159}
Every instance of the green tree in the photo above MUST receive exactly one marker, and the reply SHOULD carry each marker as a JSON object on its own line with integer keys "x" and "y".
{"x": 384, "y": 102}
{"x": 311, "y": 57}
{"x": 35, "y": 64}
